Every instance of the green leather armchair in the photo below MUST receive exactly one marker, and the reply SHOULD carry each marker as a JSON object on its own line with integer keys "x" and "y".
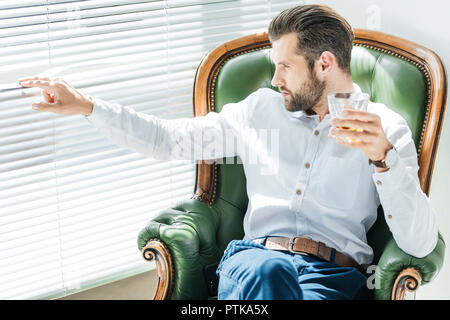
{"x": 192, "y": 235}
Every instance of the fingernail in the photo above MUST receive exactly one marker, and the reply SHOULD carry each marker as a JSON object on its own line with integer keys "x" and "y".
{"x": 34, "y": 106}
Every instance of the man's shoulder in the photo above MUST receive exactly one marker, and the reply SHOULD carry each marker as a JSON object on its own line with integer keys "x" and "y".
{"x": 269, "y": 91}
{"x": 253, "y": 103}
{"x": 264, "y": 96}
{"x": 264, "y": 93}
{"x": 260, "y": 95}
{"x": 261, "y": 98}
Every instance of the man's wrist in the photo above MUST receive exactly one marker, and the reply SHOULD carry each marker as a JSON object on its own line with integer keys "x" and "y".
{"x": 389, "y": 159}
{"x": 384, "y": 153}
{"x": 88, "y": 107}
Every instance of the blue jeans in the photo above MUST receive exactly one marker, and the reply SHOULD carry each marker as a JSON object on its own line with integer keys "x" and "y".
{"x": 250, "y": 271}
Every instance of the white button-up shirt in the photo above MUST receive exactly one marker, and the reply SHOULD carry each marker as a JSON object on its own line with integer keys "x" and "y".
{"x": 299, "y": 181}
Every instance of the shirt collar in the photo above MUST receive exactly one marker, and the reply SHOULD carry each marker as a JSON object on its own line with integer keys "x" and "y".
{"x": 302, "y": 114}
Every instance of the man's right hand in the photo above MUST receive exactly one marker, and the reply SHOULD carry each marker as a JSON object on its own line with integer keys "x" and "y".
{"x": 59, "y": 96}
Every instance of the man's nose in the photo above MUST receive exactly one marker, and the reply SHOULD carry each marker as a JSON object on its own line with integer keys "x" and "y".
{"x": 277, "y": 81}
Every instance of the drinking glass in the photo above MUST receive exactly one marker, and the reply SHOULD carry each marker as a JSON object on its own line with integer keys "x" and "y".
{"x": 354, "y": 100}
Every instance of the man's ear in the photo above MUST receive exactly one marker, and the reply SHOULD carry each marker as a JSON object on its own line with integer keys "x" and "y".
{"x": 326, "y": 62}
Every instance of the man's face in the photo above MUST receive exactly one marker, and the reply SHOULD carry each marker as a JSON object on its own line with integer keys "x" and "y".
{"x": 300, "y": 87}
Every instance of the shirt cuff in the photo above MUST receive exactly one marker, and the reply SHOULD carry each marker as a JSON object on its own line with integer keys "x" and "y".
{"x": 387, "y": 184}
{"x": 101, "y": 113}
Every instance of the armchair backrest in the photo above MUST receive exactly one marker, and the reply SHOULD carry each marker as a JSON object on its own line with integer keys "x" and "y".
{"x": 404, "y": 76}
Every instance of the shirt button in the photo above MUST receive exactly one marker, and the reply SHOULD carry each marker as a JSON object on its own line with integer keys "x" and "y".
{"x": 307, "y": 165}
{"x": 379, "y": 182}
{"x": 316, "y": 132}
{"x": 298, "y": 192}
{"x": 389, "y": 216}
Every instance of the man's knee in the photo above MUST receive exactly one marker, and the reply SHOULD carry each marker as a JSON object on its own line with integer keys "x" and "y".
{"x": 273, "y": 278}
{"x": 275, "y": 268}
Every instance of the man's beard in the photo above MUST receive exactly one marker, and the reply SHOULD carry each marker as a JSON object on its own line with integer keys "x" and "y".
{"x": 307, "y": 96}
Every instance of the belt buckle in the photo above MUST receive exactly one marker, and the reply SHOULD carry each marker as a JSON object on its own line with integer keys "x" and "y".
{"x": 291, "y": 245}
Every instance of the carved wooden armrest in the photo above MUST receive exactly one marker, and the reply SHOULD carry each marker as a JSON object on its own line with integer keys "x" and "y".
{"x": 156, "y": 250}
{"x": 408, "y": 281}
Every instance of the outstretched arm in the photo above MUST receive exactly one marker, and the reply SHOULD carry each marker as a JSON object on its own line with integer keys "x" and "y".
{"x": 200, "y": 138}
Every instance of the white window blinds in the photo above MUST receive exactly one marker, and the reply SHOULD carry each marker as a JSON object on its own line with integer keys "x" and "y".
{"x": 72, "y": 203}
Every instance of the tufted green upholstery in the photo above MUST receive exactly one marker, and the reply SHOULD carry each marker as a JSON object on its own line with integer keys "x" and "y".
{"x": 197, "y": 234}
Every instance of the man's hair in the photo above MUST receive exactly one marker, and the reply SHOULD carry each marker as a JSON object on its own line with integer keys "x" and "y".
{"x": 319, "y": 28}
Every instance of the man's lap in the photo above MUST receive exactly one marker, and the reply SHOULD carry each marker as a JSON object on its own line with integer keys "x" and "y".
{"x": 304, "y": 276}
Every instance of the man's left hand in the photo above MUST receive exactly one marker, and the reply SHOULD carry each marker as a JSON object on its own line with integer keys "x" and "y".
{"x": 368, "y": 136}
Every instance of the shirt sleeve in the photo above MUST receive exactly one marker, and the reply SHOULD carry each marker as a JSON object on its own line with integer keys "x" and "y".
{"x": 201, "y": 138}
{"x": 407, "y": 209}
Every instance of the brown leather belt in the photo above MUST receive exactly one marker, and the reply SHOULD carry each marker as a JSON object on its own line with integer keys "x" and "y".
{"x": 306, "y": 245}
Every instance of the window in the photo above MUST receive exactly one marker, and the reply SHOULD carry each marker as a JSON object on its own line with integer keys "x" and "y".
{"x": 72, "y": 203}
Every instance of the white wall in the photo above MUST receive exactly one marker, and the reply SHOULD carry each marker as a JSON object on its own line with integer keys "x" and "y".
{"x": 426, "y": 23}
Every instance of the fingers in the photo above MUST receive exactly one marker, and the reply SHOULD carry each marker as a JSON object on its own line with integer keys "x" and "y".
{"x": 51, "y": 84}
{"x": 26, "y": 79}
{"x": 44, "y": 106}
{"x": 351, "y": 137}
{"x": 350, "y": 143}
{"x": 44, "y": 84}
{"x": 351, "y": 134}
{"x": 356, "y": 124}
{"x": 32, "y": 78}
{"x": 352, "y": 114}
{"x": 49, "y": 97}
